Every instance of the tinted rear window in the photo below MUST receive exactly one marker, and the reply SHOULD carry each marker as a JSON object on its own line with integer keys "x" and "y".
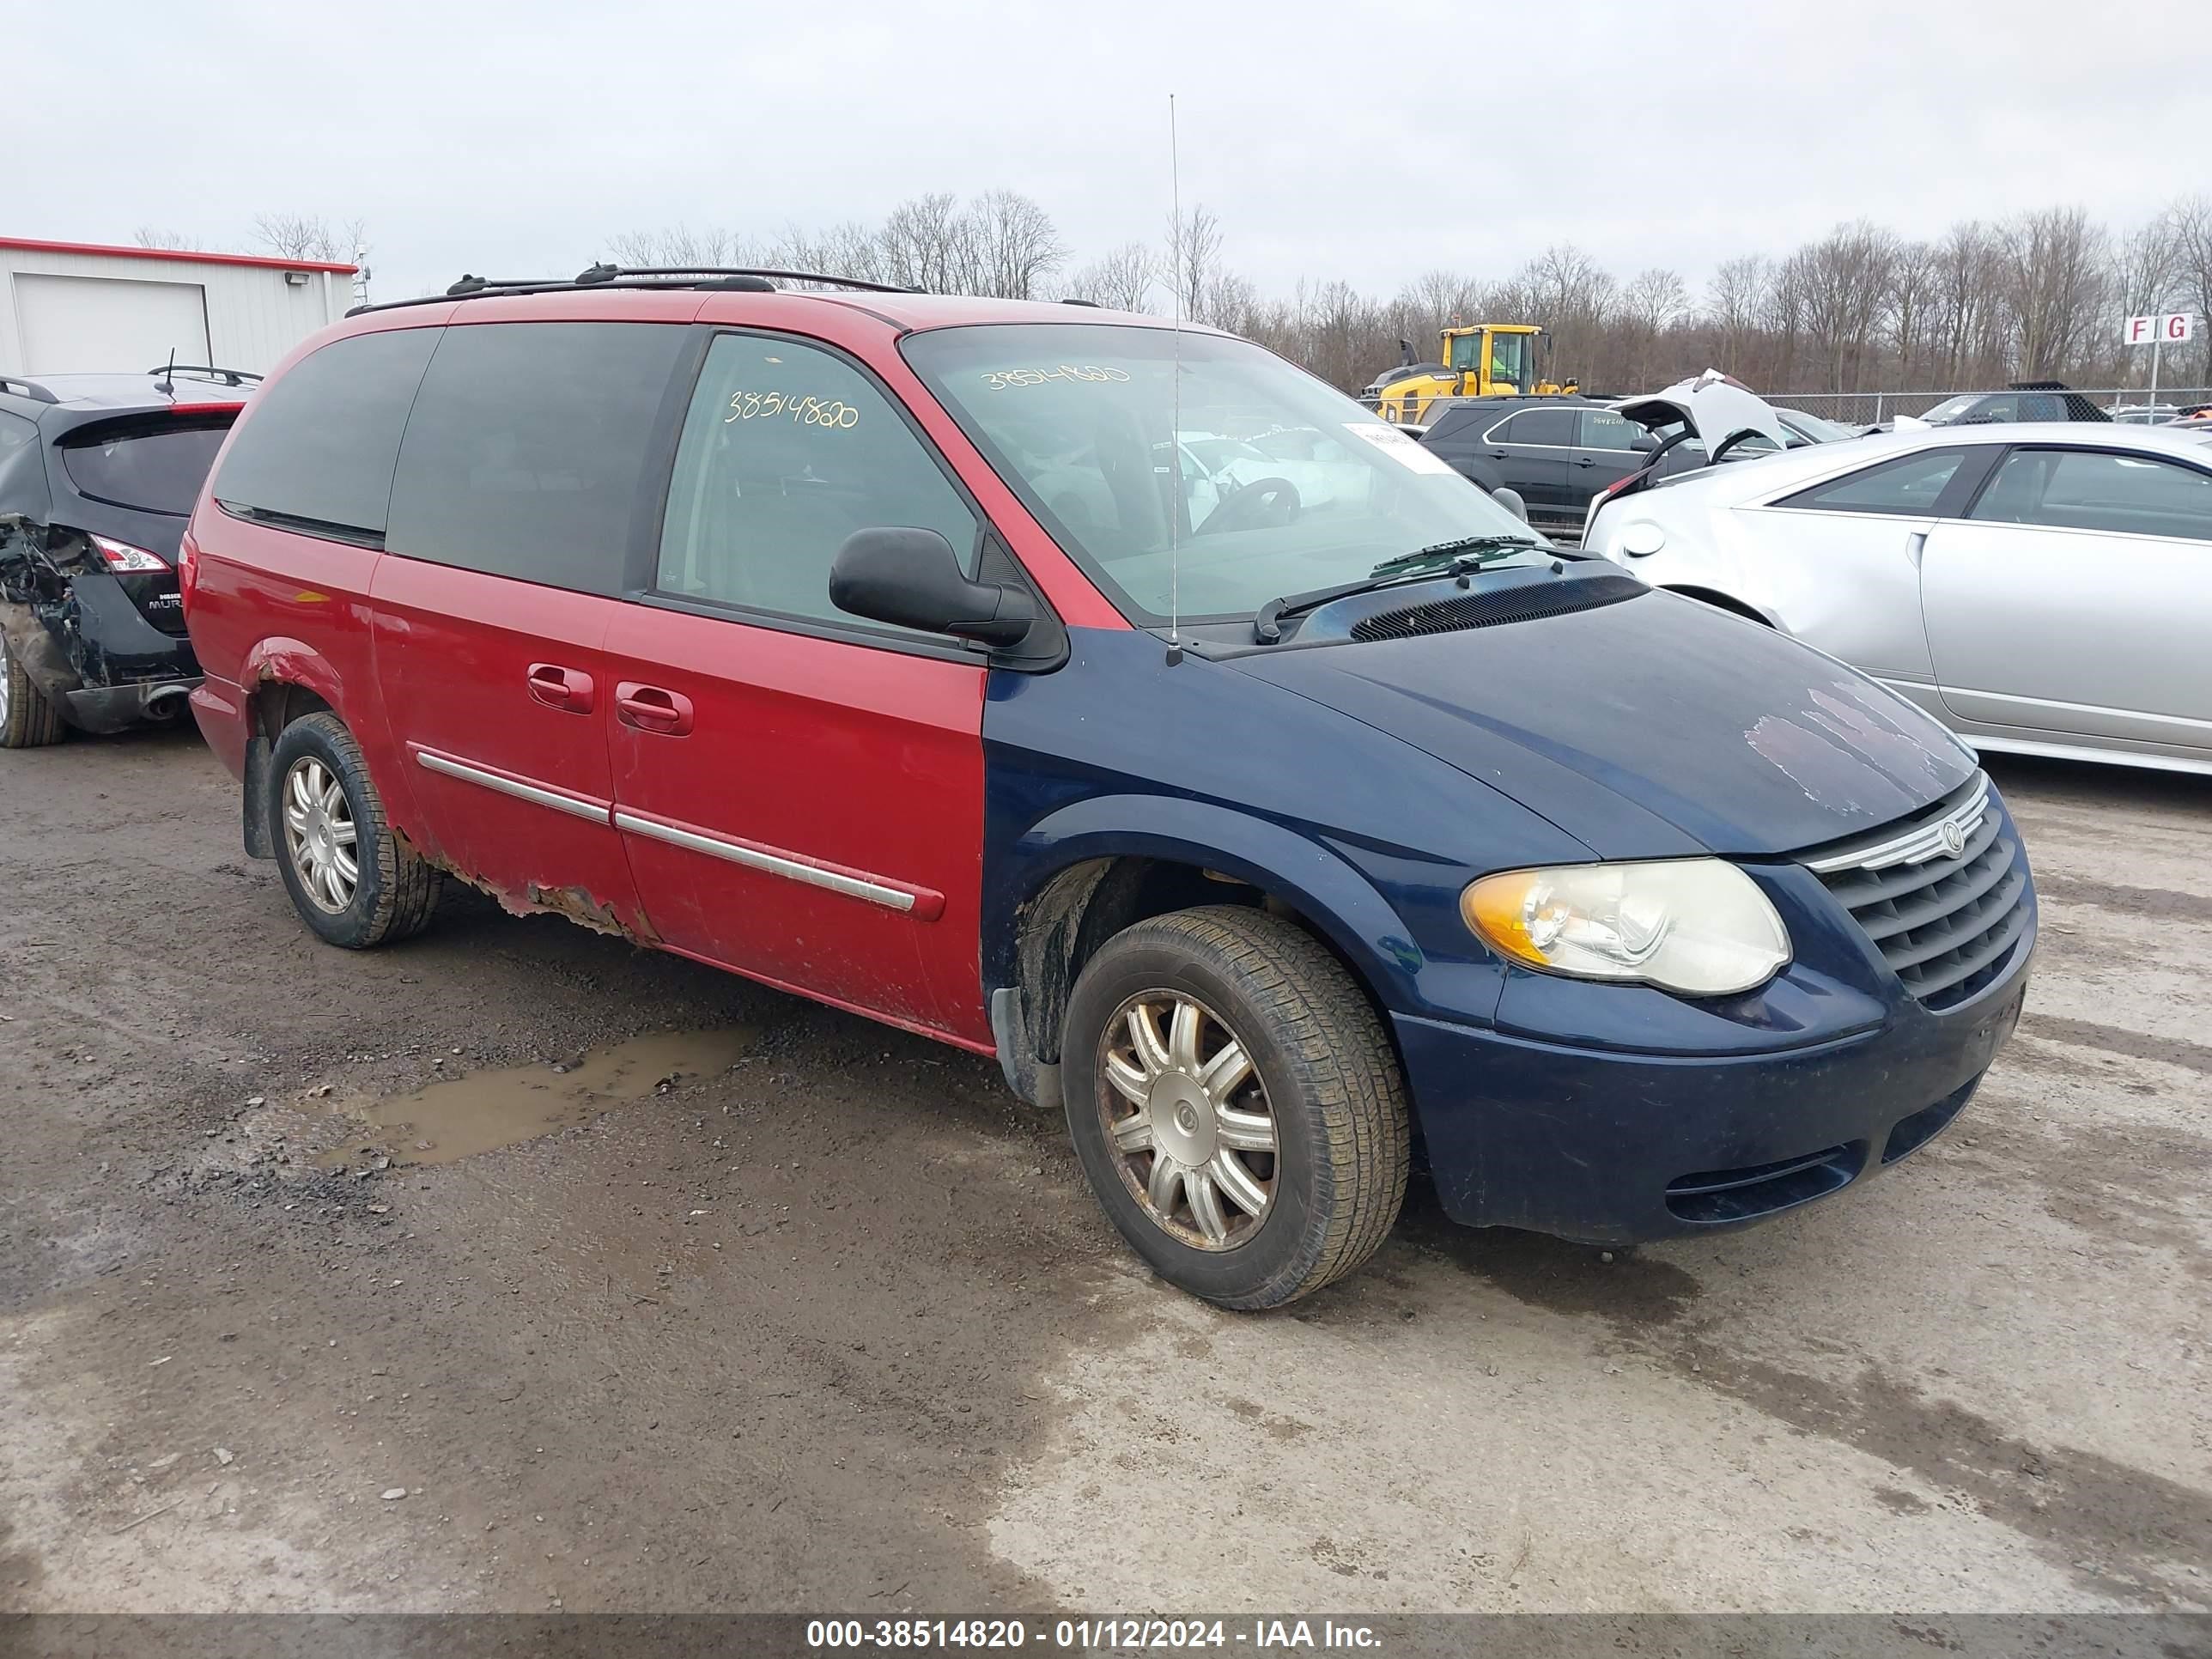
{"x": 155, "y": 467}
{"x": 317, "y": 444}
{"x": 1552, "y": 426}
{"x": 527, "y": 452}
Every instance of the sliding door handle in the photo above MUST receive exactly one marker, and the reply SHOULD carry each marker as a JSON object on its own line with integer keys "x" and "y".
{"x": 566, "y": 689}
{"x": 649, "y": 708}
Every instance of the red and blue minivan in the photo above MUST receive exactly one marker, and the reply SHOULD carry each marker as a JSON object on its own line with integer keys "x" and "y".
{"x": 1121, "y": 702}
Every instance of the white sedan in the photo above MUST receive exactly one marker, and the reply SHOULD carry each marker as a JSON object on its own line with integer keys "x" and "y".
{"x": 2045, "y": 589}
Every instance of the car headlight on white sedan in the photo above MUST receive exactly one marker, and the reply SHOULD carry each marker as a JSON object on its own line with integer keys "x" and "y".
{"x": 1699, "y": 928}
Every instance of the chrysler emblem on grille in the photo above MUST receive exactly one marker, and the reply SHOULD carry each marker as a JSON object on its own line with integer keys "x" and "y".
{"x": 1954, "y": 837}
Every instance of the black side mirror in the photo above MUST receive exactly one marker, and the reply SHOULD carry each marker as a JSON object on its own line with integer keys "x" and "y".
{"x": 1644, "y": 443}
{"x": 911, "y": 578}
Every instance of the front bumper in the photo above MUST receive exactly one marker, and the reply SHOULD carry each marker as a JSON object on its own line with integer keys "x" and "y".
{"x": 1613, "y": 1147}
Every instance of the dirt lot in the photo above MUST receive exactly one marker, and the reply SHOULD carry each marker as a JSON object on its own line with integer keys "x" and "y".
{"x": 785, "y": 1310}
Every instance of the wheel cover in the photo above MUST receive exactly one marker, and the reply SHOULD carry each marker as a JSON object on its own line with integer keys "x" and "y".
{"x": 319, "y": 835}
{"x": 1188, "y": 1120}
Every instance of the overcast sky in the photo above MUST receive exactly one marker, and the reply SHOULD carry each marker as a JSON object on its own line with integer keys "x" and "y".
{"x": 1333, "y": 139}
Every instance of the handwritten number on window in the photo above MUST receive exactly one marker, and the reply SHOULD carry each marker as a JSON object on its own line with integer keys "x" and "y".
{"x": 999, "y": 380}
{"x": 837, "y": 414}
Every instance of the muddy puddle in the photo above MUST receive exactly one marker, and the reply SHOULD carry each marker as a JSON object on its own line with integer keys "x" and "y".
{"x": 482, "y": 1111}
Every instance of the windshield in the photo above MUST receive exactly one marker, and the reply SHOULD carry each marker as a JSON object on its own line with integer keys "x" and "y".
{"x": 1951, "y": 408}
{"x": 1812, "y": 427}
{"x": 1081, "y": 421}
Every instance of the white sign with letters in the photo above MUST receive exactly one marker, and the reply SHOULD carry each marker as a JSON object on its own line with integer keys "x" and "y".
{"x": 2169, "y": 329}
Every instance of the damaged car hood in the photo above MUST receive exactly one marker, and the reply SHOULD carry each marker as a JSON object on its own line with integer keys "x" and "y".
{"x": 1657, "y": 727}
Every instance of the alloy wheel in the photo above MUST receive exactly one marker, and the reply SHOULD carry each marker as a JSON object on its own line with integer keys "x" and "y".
{"x": 319, "y": 835}
{"x": 1187, "y": 1120}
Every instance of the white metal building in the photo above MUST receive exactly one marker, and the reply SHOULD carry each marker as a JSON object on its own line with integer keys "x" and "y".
{"x": 68, "y": 306}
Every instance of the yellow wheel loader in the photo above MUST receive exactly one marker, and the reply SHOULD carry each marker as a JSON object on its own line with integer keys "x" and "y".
{"x": 1480, "y": 360}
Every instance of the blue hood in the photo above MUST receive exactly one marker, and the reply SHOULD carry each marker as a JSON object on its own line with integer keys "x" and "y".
{"x": 1652, "y": 728}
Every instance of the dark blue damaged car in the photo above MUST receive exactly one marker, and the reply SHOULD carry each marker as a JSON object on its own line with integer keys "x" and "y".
{"x": 1389, "y": 837}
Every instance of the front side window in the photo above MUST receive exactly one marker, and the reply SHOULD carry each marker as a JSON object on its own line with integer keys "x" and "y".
{"x": 1909, "y": 486}
{"x": 318, "y": 443}
{"x": 1082, "y": 421}
{"x": 2106, "y": 490}
{"x": 527, "y": 451}
{"x": 156, "y": 465}
{"x": 786, "y": 451}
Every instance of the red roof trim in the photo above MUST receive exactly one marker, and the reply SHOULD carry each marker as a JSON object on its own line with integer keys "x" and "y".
{"x": 261, "y": 260}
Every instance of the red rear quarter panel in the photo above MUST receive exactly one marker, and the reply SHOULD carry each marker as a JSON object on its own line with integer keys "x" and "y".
{"x": 272, "y": 606}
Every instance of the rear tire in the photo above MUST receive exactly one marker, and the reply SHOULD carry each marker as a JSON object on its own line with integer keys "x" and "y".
{"x": 352, "y": 882}
{"x": 27, "y": 721}
{"x": 1248, "y": 1178}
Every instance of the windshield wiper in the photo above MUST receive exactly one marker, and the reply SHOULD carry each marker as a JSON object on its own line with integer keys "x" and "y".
{"x": 1455, "y": 557}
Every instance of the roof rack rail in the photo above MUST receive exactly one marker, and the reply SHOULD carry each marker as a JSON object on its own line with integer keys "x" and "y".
{"x": 597, "y": 275}
{"x": 752, "y": 279}
{"x": 227, "y": 376}
{"x": 23, "y": 388}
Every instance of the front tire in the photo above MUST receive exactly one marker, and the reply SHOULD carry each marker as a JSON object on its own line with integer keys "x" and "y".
{"x": 27, "y": 721}
{"x": 353, "y": 881}
{"x": 1236, "y": 1105}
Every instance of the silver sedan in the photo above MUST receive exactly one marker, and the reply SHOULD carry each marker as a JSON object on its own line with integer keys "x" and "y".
{"x": 2046, "y": 589}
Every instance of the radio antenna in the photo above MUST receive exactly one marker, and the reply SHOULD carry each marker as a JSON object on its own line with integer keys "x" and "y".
{"x": 1174, "y": 401}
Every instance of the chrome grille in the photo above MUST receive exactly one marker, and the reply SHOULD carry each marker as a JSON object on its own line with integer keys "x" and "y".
{"x": 1946, "y": 921}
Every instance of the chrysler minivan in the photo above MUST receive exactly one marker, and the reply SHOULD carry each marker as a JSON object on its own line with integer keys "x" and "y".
{"x": 883, "y": 648}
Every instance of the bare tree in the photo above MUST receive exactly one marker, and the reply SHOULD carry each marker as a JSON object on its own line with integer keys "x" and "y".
{"x": 850, "y": 249}
{"x": 310, "y": 236}
{"x": 1017, "y": 245}
{"x": 680, "y": 246}
{"x": 1855, "y": 309}
{"x": 927, "y": 243}
{"x": 1734, "y": 300}
{"x": 2145, "y": 279}
{"x": 170, "y": 242}
{"x": 1653, "y": 301}
{"x": 1568, "y": 293}
{"x": 1435, "y": 301}
{"x": 1194, "y": 258}
{"x": 2055, "y": 266}
{"x": 1121, "y": 278}
{"x": 1846, "y": 278}
{"x": 2189, "y": 222}
{"x": 1913, "y": 296}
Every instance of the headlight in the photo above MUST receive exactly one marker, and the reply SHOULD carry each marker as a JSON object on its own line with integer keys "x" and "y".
{"x": 1698, "y": 927}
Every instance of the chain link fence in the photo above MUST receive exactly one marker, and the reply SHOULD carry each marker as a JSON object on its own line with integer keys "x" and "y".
{"x": 1868, "y": 408}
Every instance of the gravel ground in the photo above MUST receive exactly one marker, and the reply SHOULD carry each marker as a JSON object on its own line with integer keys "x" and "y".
{"x": 763, "y": 1307}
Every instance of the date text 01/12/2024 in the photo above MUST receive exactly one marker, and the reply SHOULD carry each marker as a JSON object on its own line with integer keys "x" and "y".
{"x": 1091, "y": 1635}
